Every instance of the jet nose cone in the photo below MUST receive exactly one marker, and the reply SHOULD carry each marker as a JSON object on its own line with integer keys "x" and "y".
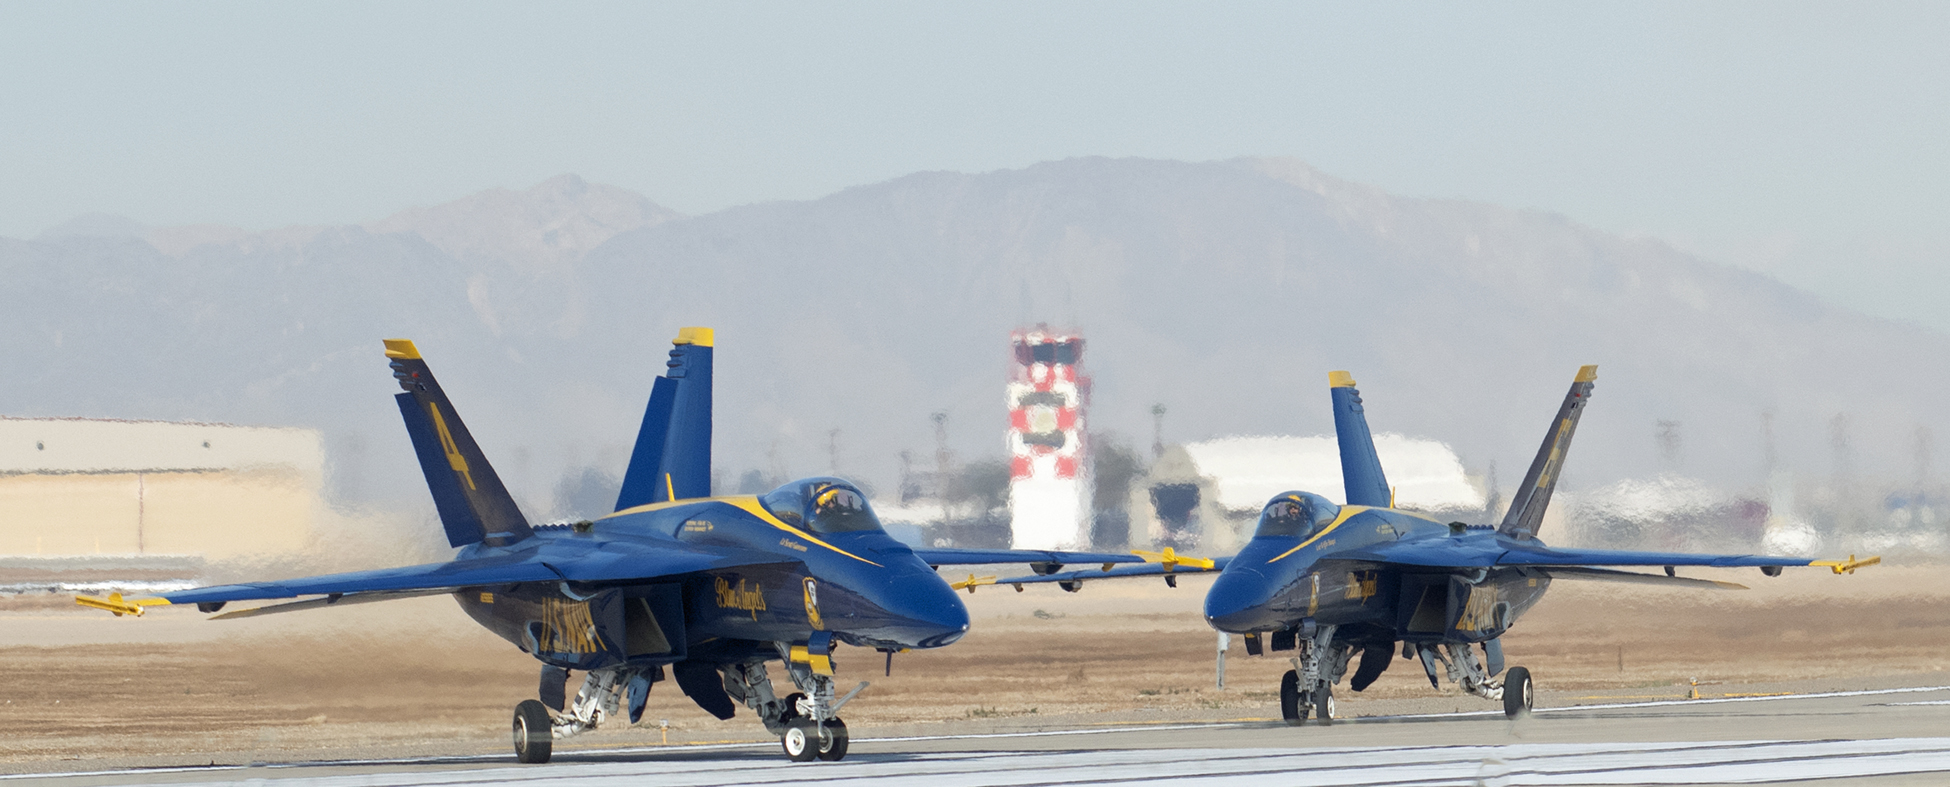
{"x": 1236, "y": 603}
{"x": 946, "y": 625}
{"x": 932, "y": 615}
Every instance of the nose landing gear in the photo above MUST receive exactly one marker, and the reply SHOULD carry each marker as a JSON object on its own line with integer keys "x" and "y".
{"x": 806, "y": 740}
{"x": 813, "y": 729}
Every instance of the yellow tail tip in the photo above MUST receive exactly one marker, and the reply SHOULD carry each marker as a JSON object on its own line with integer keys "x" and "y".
{"x": 402, "y": 348}
{"x": 1340, "y": 380}
{"x": 1587, "y": 374}
{"x": 702, "y": 337}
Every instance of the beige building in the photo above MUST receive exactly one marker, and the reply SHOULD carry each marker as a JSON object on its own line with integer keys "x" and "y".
{"x": 1213, "y": 489}
{"x": 80, "y": 486}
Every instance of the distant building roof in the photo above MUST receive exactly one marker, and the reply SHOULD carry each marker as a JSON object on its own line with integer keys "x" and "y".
{"x": 1248, "y": 471}
{"x": 101, "y": 445}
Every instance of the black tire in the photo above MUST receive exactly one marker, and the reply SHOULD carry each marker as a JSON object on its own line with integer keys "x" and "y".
{"x": 533, "y": 733}
{"x": 1291, "y": 708}
{"x": 832, "y": 746}
{"x": 801, "y": 740}
{"x": 1323, "y": 704}
{"x": 1518, "y": 695}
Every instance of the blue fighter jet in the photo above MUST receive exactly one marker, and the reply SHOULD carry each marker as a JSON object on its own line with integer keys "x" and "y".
{"x": 1335, "y": 582}
{"x": 674, "y": 583}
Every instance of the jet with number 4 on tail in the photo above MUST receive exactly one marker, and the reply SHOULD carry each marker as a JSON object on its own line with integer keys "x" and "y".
{"x": 674, "y": 583}
{"x": 1354, "y": 584}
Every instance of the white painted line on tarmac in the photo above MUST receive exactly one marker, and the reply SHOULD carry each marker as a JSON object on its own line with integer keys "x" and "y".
{"x": 1676, "y": 763}
{"x": 461, "y": 759}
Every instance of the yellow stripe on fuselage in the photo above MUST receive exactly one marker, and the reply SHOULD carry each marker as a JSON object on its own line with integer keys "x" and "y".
{"x": 1347, "y": 513}
{"x": 751, "y": 506}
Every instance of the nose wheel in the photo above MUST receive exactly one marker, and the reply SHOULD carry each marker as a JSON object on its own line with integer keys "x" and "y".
{"x": 1293, "y": 708}
{"x": 806, "y": 740}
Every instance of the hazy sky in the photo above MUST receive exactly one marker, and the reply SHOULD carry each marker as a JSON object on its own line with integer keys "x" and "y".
{"x": 1804, "y": 139}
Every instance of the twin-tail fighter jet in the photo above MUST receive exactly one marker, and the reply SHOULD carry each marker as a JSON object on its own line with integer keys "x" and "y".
{"x": 674, "y": 583}
{"x": 1333, "y": 582}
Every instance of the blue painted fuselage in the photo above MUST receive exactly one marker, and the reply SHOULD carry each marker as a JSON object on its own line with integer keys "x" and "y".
{"x": 1276, "y": 582}
{"x": 776, "y": 584}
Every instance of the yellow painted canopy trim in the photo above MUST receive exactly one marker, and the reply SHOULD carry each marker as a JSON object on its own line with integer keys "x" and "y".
{"x": 1347, "y": 512}
{"x": 750, "y": 505}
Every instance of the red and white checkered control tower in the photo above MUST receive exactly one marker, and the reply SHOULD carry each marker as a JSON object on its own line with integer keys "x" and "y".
{"x": 1049, "y": 469}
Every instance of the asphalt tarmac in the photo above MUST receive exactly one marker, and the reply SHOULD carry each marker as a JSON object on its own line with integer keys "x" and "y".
{"x": 1894, "y": 735}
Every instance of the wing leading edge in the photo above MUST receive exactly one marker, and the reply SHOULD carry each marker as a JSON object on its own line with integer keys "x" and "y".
{"x": 1495, "y": 550}
{"x": 585, "y": 563}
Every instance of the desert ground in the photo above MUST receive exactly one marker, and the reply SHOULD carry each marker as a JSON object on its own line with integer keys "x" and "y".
{"x": 82, "y": 690}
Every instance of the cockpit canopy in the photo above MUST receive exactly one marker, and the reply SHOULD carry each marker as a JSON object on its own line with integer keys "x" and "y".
{"x": 821, "y": 505}
{"x": 1296, "y": 515}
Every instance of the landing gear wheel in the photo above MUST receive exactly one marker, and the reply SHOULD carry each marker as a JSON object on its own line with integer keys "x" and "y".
{"x": 832, "y": 746}
{"x": 1517, "y": 693}
{"x": 1323, "y": 702}
{"x": 534, "y": 738}
{"x": 1291, "y": 708}
{"x": 801, "y": 740}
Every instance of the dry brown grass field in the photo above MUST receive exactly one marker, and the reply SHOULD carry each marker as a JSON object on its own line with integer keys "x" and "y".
{"x": 83, "y": 689}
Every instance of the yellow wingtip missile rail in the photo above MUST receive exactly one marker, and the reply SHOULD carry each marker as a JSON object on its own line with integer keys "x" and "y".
{"x": 1172, "y": 560}
{"x": 1848, "y": 566}
{"x": 116, "y": 604}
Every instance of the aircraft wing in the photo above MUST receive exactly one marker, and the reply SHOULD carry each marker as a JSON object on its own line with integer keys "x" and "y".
{"x": 1070, "y": 579}
{"x": 582, "y": 563}
{"x": 1492, "y": 550}
{"x": 983, "y": 557}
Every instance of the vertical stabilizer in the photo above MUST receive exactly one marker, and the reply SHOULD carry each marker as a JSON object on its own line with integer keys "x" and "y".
{"x": 1361, "y": 472}
{"x": 474, "y": 507}
{"x": 672, "y": 458}
{"x": 1531, "y": 497}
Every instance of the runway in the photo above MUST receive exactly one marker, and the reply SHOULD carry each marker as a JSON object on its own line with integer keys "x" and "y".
{"x": 1891, "y": 736}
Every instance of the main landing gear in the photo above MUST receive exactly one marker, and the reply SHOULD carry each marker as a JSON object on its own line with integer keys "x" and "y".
{"x": 537, "y": 727}
{"x": 1308, "y": 688}
{"x": 1472, "y": 675}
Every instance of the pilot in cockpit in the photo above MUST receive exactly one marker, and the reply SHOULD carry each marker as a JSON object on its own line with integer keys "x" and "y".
{"x": 1296, "y": 515}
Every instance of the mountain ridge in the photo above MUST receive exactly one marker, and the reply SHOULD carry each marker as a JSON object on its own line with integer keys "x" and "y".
{"x": 1223, "y": 289}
